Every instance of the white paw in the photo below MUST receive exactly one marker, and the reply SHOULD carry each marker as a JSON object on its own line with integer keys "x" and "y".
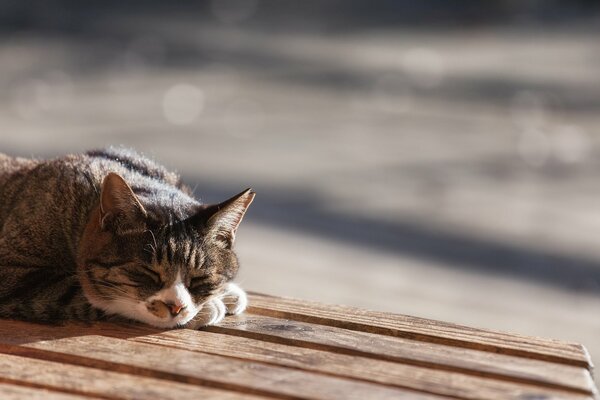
{"x": 235, "y": 299}
{"x": 212, "y": 312}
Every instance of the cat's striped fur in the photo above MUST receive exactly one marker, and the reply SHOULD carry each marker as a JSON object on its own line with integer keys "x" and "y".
{"x": 111, "y": 232}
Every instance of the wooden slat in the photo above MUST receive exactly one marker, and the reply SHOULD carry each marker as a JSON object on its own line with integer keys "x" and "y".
{"x": 406, "y": 351}
{"x": 83, "y": 381}
{"x": 184, "y": 366}
{"x": 395, "y": 374}
{"x": 15, "y": 392}
{"x": 420, "y": 329}
{"x": 289, "y": 349}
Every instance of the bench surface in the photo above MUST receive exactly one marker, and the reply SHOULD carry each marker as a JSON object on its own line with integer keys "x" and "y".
{"x": 289, "y": 349}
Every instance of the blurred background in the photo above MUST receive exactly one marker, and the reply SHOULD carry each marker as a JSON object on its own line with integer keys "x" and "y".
{"x": 432, "y": 158}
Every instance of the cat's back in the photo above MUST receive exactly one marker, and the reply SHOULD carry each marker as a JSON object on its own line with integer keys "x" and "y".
{"x": 10, "y": 166}
{"x": 132, "y": 165}
{"x": 75, "y": 180}
{"x": 13, "y": 174}
{"x": 35, "y": 192}
{"x": 158, "y": 188}
{"x": 41, "y": 199}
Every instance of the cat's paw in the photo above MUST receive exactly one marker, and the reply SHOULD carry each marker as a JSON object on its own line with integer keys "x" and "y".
{"x": 212, "y": 312}
{"x": 234, "y": 298}
{"x": 218, "y": 310}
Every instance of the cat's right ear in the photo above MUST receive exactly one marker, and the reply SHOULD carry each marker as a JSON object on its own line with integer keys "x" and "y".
{"x": 120, "y": 209}
{"x": 221, "y": 221}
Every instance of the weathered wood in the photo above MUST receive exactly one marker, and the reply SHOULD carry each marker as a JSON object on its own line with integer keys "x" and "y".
{"x": 288, "y": 349}
{"x": 185, "y": 366}
{"x": 15, "y": 392}
{"x": 423, "y": 379}
{"x": 420, "y": 329}
{"x": 98, "y": 383}
{"x": 429, "y": 355}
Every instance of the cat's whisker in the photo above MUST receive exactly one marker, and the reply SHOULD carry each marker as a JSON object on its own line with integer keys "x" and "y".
{"x": 114, "y": 296}
{"x": 154, "y": 239}
{"x": 113, "y": 288}
{"x": 107, "y": 283}
{"x": 152, "y": 250}
{"x": 121, "y": 294}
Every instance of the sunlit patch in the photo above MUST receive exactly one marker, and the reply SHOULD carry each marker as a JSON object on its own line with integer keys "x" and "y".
{"x": 182, "y": 104}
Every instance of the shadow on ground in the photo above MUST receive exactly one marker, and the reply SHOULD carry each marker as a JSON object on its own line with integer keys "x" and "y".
{"x": 299, "y": 211}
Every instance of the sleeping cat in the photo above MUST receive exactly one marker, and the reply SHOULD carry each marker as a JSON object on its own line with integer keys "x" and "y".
{"x": 111, "y": 233}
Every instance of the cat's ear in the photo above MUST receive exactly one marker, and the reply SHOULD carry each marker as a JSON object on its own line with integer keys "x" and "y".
{"x": 120, "y": 208}
{"x": 221, "y": 221}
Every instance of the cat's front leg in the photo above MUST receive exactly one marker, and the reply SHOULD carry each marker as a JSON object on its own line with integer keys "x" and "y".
{"x": 234, "y": 298}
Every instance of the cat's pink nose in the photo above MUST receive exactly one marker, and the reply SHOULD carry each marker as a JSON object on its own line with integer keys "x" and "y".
{"x": 175, "y": 308}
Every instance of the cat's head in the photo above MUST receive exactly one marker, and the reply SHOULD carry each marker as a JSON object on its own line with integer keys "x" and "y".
{"x": 136, "y": 262}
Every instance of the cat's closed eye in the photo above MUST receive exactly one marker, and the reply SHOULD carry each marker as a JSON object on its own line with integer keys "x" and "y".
{"x": 145, "y": 276}
{"x": 200, "y": 284}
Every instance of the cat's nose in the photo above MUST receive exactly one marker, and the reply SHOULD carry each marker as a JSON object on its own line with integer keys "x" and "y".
{"x": 175, "y": 308}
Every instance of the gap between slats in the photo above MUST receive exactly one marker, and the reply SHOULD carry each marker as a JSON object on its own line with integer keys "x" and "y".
{"x": 140, "y": 359}
{"x": 96, "y": 363}
{"x": 96, "y": 382}
{"x": 177, "y": 340}
{"x": 53, "y": 389}
{"x": 320, "y": 314}
{"x": 12, "y": 391}
{"x": 582, "y": 384}
{"x": 492, "y": 390}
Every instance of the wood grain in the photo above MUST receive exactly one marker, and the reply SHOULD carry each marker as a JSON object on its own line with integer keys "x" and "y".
{"x": 70, "y": 347}
{"x": 288, "y": 349}
{"x": 423, "y": 379}
{"x": 97, "y": 383}
{"x": 420, "y": 329}
{"x": 15, "y": 392}
{"x": 406, "y": 351}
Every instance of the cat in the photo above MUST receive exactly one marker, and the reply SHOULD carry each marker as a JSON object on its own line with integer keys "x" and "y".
{"x": 112, "y": 234}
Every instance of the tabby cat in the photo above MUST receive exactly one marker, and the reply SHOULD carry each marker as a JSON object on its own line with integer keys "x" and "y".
{"x": 111, "y": 233}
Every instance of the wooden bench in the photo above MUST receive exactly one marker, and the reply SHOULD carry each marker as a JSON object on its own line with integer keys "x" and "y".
{"x": 289, "y": 349}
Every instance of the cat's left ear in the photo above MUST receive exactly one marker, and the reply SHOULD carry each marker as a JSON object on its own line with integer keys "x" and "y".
{"x": 120, "y": 209}
{"x": 222, "y": 220}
